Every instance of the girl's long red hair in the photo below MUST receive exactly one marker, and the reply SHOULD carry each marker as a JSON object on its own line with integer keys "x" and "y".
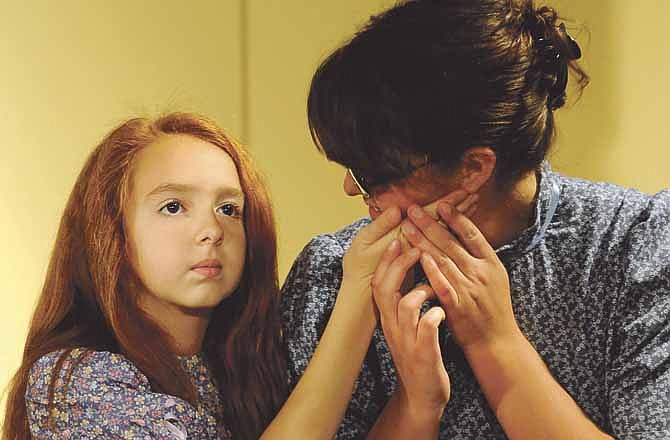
{"x": 87, "y": 299}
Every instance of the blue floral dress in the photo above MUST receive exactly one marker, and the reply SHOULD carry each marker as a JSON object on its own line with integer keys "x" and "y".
{"x": 106, "y": 396}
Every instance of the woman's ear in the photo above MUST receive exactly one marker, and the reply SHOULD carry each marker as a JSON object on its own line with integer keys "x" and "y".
{"x": 477, "y": 167}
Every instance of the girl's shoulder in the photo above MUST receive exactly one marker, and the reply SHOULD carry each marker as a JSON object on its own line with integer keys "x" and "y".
{"x": 82, "y": 371}
{"x": 82, "y": 393}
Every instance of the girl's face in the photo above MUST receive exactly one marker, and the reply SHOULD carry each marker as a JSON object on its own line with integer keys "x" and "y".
{"x": 185, "y": 225}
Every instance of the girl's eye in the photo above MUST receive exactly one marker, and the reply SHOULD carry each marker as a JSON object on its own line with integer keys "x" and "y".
{"x": 172, "y": 208}
{"x": 229, "y": 209}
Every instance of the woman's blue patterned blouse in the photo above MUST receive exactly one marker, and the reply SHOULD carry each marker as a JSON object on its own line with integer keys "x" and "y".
{"x": 590, "y": 286}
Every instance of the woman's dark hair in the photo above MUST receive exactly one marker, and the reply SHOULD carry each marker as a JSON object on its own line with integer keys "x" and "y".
{"x": 437, "y": 77}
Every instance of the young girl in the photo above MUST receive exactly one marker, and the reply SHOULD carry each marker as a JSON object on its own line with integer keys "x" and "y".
{"x": 159, "y": 314}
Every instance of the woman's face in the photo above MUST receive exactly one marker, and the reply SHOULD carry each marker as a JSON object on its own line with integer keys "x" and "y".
{"x": 406, "y": 193}
{"x": 185, "y": 225}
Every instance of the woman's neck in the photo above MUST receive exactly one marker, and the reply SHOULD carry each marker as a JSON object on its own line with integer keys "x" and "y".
{"x": 503, "y": 217}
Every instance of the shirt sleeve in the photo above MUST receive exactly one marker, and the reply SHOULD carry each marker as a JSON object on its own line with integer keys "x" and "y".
{"x": 639, "y": 375}
{"x": 103, "y": 395}
{"x": 308, "y": 298}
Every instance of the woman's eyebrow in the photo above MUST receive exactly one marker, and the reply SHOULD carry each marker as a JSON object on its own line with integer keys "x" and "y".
{"x": 227, "y": 191}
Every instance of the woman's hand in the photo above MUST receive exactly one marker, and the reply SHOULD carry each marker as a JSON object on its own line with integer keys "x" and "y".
{"x": 468, "y": 278}
{"x": 364, "y": 254}
{"x": 412, "y": 338}
{"x": 473, "y": 287}
{"x": 415, "y": 409}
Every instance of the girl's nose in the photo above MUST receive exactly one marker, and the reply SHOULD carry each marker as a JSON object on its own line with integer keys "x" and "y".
{"x": 211, "y": 231}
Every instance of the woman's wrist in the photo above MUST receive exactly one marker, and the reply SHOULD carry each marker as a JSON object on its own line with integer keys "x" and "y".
{"x": 419, "y": 413}
{"x": 495, "y": 348}
{"x": 501, "y": 364}
{"x": 401, "y": 420}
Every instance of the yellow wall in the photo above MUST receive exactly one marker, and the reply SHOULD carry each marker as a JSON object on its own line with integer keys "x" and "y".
{"x": 287, "y": 40}
{"x": 618, "y": 132}
{"x": 72, "y": 70}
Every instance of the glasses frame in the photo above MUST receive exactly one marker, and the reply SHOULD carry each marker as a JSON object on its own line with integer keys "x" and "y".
{"x": 361, "y": 190}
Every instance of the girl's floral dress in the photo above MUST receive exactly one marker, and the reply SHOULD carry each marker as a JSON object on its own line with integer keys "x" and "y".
{"x": 107, "y": 397}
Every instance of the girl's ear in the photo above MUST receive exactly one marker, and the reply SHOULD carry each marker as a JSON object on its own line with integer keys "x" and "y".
{"x": 477, "y": 167}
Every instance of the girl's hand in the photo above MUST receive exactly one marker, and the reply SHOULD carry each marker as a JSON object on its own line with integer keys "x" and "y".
{"x": 468, "y": 278}
{"x": 362, "y": 257}
{"x": 412, "y": 338}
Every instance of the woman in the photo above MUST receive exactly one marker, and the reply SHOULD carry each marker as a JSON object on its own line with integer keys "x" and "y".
{"x": 555, "y": 295}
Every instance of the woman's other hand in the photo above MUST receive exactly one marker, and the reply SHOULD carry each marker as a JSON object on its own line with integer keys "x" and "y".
{"x": 468, "y": 278}
{"x": 412, "y": 338}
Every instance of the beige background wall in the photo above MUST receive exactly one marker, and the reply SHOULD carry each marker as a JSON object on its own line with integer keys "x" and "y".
{"x": 72, "y": 71}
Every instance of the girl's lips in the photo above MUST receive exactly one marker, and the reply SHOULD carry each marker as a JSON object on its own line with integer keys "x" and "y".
{"x": 209, "y": 272}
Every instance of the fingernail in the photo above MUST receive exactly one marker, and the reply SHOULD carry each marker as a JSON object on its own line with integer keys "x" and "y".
{"x": 416, "y": 212}
{"x": 408, "y": 228}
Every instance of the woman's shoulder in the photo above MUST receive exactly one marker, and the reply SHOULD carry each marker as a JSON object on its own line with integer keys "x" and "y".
{"x": 607, "y": 206}
{"x": 579, "y": 191}
{"x": 316, "y": 273}
{"x": 335, "y": 243}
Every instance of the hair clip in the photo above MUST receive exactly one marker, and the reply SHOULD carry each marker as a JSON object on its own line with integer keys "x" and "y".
{"x": 555, "y": 61}
{"x": 575, "y": 50}
{"x": 557, "y": 95}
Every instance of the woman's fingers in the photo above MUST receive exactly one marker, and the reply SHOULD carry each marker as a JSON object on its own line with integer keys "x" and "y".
{"x": 427, "y": 330}
{"x": 455, "y": 198}
{"x": 405, "y": 245}
{"x": 428, "y": 230}
{"x": 466, "y": 231}
{"x": 409, "y": 307}
{"x": 443, "y": 288}
{"x": 386, "y": 289}
{"x": 416, "y": 238}
{"x": 467, "y": 205}
{"x": 470, "y": 211}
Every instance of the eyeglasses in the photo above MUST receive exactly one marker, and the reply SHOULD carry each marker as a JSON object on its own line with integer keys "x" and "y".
{"x": 364, "y": 186}
{"x": 361, "y": 188}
